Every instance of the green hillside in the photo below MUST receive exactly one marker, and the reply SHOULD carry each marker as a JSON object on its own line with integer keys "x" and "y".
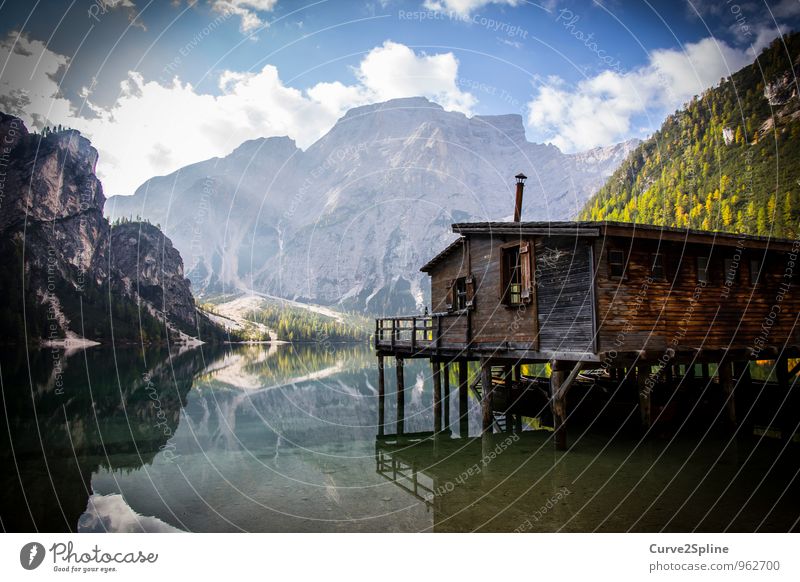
{"x": 730, "y": 160}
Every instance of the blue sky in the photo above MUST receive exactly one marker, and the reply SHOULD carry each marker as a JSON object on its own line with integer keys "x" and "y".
{"x": 160, "y": 84}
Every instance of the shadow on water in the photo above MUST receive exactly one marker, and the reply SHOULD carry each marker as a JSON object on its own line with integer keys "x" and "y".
{"x": 282, "y": 438}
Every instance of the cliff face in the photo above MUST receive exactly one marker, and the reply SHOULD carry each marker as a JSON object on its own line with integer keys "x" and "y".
{"x": 56, "y": 263}
{"x": 150, "y": 268}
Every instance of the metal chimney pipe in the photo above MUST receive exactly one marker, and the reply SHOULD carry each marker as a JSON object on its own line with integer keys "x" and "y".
{"x": 518, "y": 204}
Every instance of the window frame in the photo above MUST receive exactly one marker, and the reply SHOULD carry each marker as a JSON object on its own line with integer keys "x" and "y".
{"x": 611, "y": 264}
{"x": 755, "y": 272}
{"x": 729, "y": 279}
{"x": 454, "y": 295}
{"x": 460, "y": 294}
{"x": 706, "y": 278}
{"x": 662, "y": 276}
{"x": 522, "y": 268}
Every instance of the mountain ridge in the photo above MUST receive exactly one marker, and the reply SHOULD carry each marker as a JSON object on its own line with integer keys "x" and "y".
{"x": 728, "y": 161}
{"x": 349, "y": 220}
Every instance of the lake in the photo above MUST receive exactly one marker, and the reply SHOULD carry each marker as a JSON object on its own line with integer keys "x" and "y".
{"x": 283, "y": 439}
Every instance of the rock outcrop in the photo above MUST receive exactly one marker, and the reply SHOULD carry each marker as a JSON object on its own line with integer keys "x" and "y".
{"x": 151, "y": 268}
{"x": 62, "y": 278}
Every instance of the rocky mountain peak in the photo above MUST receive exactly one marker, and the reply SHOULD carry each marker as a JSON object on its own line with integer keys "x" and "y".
{"x": 52, "y": 228}
{"x": 349, "y": 221}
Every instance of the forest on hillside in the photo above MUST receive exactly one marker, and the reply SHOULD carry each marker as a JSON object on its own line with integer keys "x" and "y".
{"x": 292, "y": 324}
{"x": 729, "y": 161}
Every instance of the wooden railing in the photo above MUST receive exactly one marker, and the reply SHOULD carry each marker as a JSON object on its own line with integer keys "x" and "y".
{"x": 404, "y": 475}
{"x": 408, "y": 332}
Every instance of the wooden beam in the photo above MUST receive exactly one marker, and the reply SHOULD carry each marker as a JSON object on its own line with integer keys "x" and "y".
{"x": 463, "y": 400}
{"x": 726, "y": 383}
{"x": 437, "y": 397}
{"x": 446, "y": 374}
{"x": 487, "y": 389}
{"x": 508, "y": 383}
{"x": 516, "y": 230}
{"x": 706, "y": 373}
{"x": 401, "y": 407}
{"x": 381, "y": 397}
{"x": 784, "y": 416}
{"x": 558, "y": 404}
{"x": 645, "y": 394}
{"x": 744, "y": 395}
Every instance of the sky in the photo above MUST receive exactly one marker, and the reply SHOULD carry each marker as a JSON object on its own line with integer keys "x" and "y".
{"x": 159, "y": 84}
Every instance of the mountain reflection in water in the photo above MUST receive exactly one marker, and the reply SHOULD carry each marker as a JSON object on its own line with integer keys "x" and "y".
{"x": 282, "y": 438}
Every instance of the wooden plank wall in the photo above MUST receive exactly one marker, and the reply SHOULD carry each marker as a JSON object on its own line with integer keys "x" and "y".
{"x": 680, "y": 313}
{"x": 564, "y": 292}
{"x": 492, "y": 322}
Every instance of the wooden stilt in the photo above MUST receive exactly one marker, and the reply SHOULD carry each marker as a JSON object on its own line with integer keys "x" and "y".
{"x": 783, "y": 416}
{"x": 558, "y": 404}
{"x": 437, "y": 397}
{"x": 446, "y": 374}
{"x": 706, "y": 374}
{"x": 463, "y": 402}
{"x": 487, "y": 389}
{"x": 726, "y": 383}
{"x": 401, "y": 406}
{"x": 645, "y": 394}
{"x": 690, "y": 372}
{"x": 744, "y": 396}
{"x": 381, "y": 398}
{"x": 508, "y": 384}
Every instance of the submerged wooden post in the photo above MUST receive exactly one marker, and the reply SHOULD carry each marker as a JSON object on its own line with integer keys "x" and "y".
{"x": 437, "y": 397}
{"x": 645, "y": 394}
{"x": 726, "y": 383}
{"x": 446, "y": 374}
{"x": 401, "y": 408}
{"x": 381, "y": 398}
{"x": 518, "y": 417}
{"x": 784, "y": 415}
{"x": 463, "y": 402}
{"x": 486, "y": 399}
{"x": 558, "y": 404}
{"x": 508, "y": 383}
{"x": 744, "y": 394}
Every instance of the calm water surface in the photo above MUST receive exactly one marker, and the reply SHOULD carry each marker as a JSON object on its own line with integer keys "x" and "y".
{"x": 283, "y": 438}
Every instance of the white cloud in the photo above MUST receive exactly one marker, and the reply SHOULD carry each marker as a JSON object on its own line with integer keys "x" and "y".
{"x": 600, "y": 110}
{"x": 465, "y": 7}
{"x": 394, "y": 70}
{"x": 246, "y": 10}
{"x": 155, "y": 128}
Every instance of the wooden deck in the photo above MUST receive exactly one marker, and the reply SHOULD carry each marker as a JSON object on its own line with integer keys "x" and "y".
{"x": 441, "y": 335}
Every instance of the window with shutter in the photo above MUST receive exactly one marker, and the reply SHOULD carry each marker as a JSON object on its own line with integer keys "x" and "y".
{"x": 470, "y": 282}
{"x": 460, "y": 294}
{"x": 526, "y": 282}
{"x": 517, "y": 276}
{"x": 450, "y": 300}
